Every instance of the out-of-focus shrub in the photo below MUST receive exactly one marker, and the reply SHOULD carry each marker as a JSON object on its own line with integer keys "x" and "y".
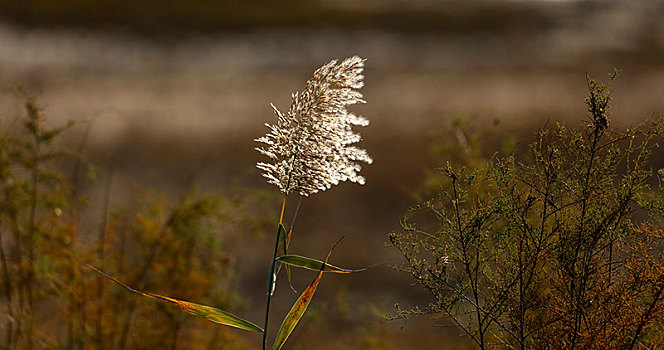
{"x": 561, "y": 248}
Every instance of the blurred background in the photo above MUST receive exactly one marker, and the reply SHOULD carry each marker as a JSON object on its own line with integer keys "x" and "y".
{"x": 170, "y": 94}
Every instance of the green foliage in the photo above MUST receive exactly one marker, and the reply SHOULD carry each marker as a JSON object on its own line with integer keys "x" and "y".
{"x": 541, "y": 251}
{"x": 312, "y": 264}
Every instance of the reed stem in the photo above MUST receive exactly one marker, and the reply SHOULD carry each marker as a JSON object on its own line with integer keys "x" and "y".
{"x": 271, "y": 277}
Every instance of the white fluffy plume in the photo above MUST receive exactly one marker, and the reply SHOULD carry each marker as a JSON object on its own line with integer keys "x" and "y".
{"x": 311, "y": 147}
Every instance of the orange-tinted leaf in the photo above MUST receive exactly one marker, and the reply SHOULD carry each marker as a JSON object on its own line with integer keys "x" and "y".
{"x": 207, "y": 312}
{"x": 296, "y": 313}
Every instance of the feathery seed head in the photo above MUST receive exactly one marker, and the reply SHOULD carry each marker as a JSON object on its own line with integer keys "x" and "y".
{"x": 310, "y": 147}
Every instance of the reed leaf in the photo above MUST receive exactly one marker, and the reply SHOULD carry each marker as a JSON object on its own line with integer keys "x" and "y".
{"x": 313, "y": 264}
{"x": 208, "y": 312}
{"x": 285, "y": 241}
{"x": 296, "y": 313}
{"x": 300, "y": 306}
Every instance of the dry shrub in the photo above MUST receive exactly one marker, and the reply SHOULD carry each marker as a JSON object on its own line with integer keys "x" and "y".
{"x": 559, "y": 249}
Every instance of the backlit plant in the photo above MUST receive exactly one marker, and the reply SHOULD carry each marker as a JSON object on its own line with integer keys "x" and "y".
{"x": 310, "y": 150}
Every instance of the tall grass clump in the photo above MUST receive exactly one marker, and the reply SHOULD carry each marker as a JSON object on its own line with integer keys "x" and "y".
{"x": 310, "y": 149}
{"x": 561, "y": 248}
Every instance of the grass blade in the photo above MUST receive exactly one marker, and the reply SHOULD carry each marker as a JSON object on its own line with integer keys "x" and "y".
{"x": 312, "y": 264}
{"x": 207, "y": 312}
{"x": 296, "y": 313}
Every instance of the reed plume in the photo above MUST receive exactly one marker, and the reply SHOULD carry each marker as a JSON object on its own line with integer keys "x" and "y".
{"x": 311, "y": 146}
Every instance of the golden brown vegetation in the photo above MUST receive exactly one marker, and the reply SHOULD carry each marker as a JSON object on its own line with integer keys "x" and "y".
{"x": 51, "y": 299}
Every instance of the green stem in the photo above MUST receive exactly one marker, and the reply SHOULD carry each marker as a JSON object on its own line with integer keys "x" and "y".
{"x": 270, "y": 280}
